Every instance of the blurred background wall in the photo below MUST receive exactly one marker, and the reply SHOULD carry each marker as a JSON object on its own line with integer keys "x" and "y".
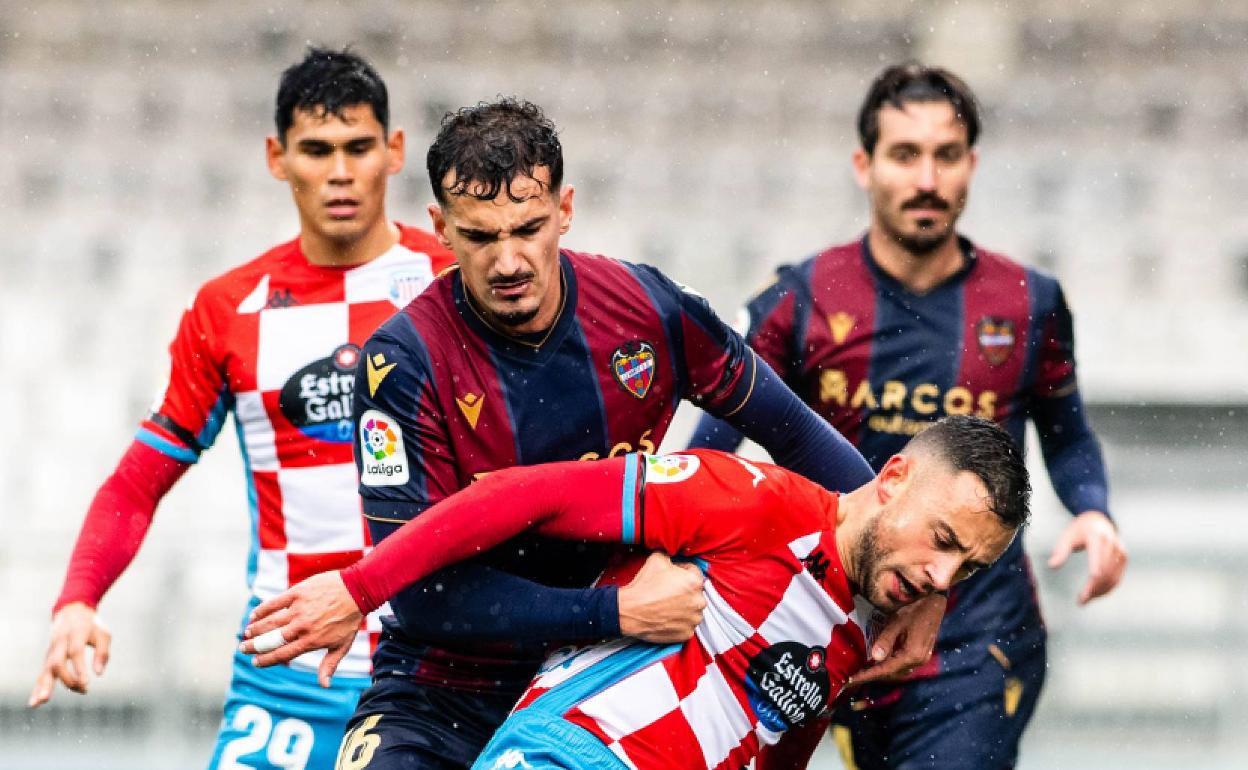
{"x": 709, "y": 137}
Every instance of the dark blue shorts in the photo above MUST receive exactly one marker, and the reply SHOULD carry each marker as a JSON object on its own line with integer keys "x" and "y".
{"x": 971, "y": 719}
{"x": 404, "y": 724}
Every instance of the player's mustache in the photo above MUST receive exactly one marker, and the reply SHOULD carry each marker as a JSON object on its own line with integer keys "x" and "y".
{"x": 504, "y": 281}
{"x": 926, "y": 201}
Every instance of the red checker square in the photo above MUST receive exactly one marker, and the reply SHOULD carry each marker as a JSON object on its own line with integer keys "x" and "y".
{"x": 272, "y": 523}
{"x": 655, "y": 744}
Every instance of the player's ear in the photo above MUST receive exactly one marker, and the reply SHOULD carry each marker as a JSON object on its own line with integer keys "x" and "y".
{"x": 974, "y": 158}
{"x": 275, "y": 156}
{"x": 565, "y": 207}
{"x": 396, "y": 143}
{"x": 862, "y": 168}
{"x": 439, "y": 224}
{"x": 893, "y": 477}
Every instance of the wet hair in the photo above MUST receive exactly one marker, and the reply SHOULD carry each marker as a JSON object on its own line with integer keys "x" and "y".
{"x": 914, "y": 82}
{"x": 327, "y": 82}
{"x": 489, "y": 146}
{"x": 982, "y": 447}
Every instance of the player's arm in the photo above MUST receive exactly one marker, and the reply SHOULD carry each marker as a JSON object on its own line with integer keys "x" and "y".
{"x": 471, "y": 600}
{"x": 122, "y": 510}
{"x": 1073, "y": 456}
{"x": 770, "y": 318}
{"x": 727, "y": 379}
{"x": 573, "y": 500}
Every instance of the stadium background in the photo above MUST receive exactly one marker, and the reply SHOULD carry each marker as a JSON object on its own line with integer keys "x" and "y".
{"x": 710, "y": 138}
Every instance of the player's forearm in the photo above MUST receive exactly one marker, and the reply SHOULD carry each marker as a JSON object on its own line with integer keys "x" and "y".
{"x": 116, "y": 523}
{"x": 797, "y": 438}
{"x": 1072, "y": 454}
{"x": 571, "y": 501}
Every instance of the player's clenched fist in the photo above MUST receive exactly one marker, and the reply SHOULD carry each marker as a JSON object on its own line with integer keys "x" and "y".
{"x": 664, "y": 602}
{"x": 318, "y": 613}
{"x": 75, "y": 627}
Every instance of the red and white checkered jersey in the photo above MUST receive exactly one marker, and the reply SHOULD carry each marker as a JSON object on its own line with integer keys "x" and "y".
{"x": 276, "y": 342}
{"x": 781, "y": 633}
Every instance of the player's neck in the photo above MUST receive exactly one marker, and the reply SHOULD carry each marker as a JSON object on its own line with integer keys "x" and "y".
{"x": 851, "y": 514}
{"x": 329, "y": 252}
{"x": 919, "y": 273}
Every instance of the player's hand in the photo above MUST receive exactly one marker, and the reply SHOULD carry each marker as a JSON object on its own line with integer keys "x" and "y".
{"x": 75, "y": 627}
{"x": 905, "y": 643}
{"x": 664, "y": 602}
{"x": 316, "y": 614}
{"x": 1107, "y": 556}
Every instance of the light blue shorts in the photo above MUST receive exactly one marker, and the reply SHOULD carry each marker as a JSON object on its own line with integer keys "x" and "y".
{"x": 532, "y": 739}
{"x": 280, "y": 719}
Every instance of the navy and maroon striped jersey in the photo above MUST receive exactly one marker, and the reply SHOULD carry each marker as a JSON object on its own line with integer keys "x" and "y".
{"x": 446, "y": 399}
{"x": 880, "y": 362}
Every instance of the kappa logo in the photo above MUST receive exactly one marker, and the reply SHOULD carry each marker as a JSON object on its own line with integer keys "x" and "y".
{"x": 511, "y": 759}
{"x": 996, "y": 339}
{"x": 633, "y": 365}
{"x": 470, "y": 405}
{"x": 383, "y": 457}
{"x": 669, "y": 469}
{"x": 841, "y": 324}
{"x": 377, "y": 371}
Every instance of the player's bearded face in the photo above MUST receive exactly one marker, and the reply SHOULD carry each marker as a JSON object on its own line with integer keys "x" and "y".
{"x": 936, "y": 531}
{"x": 919, "y": 175}
{"x": 508, "y": 249}
{"x": 338, "y": 168}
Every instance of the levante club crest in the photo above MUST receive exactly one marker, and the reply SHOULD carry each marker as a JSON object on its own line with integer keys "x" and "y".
{"x": 996, "y": 339}
{"x": 633, "y": 366}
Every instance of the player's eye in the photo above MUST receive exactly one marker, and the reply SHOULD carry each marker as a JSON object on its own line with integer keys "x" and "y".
{"x": 317, "y": 150}
{"x": 525, "y": 232}
{"x": 361, "y": 147}
{"x": 478, "y": 237}
{"x": 951, "y": 154}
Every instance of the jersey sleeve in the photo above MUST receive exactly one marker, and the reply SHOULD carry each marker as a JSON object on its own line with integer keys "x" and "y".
{"x": 772, "y": 317}
{"x": 402, "y": 448}
{"x": 190, "y": 413}
{"x": 708, "y": 504}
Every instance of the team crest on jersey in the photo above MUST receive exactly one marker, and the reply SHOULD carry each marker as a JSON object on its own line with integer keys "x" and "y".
{"x": 633, "y": 365}
{"x": 406, "y": 285}
{"x": 383, "y": 457}
{"x": 996, "y": 339}
{"x": 317, "y": 398}
{"x": 669, "y": 469}
{"x": 787, "y": 684}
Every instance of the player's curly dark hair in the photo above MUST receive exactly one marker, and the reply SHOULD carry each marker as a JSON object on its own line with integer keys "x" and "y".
{"x": 914, "y": 82}
{"x": 489, "y": 145}
{"x": 327, "y": 82}
{"x": 985, "y": 449}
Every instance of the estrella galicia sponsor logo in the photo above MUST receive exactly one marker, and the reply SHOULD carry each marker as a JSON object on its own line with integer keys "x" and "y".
{"x": 787, "y": 684}
{"x": 383, "y": 457}
{"x": 633, "y": 365}
{"x": 317, "y": 398}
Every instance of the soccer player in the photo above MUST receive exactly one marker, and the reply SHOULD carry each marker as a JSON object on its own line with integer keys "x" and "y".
{"x": 275, "y": 342}
{"x": 886, "y": 333}
{"x": 794, "y": 577}
{"x": 528, "y": 353}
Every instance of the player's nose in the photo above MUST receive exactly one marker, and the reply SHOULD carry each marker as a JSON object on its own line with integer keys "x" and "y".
{"x": 340, "y": 172}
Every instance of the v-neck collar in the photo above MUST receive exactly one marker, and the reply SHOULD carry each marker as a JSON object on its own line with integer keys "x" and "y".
{"x": 895, "y": 286}
{"x": 522, "y": 348}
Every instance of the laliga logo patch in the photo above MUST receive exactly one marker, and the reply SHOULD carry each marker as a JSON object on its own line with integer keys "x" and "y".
{"x": 669, "y": 469}
{"x": 317, "y": 398}
{"x": 787, "y": 684}
{"x": 383, "y": 458}
{"x": 996, "y": 339}
{"x": 633, "y": 366}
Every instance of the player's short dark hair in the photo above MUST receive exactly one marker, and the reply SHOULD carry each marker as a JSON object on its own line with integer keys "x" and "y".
{"x": 327, "y": 82}
{"x": 985, "y": 449}
{"x": 914, "y": 82}
{"x": 489, "y": 145}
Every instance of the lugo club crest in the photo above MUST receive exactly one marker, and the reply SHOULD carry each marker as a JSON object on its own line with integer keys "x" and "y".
{"x": 788, "y": 684}
{"x": 634, "y": 366}
{"x": 996, "y": 339}
{"x": 317, "y": 398}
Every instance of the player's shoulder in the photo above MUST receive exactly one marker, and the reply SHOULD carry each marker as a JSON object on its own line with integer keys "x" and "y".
{"x": 233, "y": 288}
{"x": 1044, "y": 287}
{"x": 424, "y": 242}
{"x": 838, "y": 262}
